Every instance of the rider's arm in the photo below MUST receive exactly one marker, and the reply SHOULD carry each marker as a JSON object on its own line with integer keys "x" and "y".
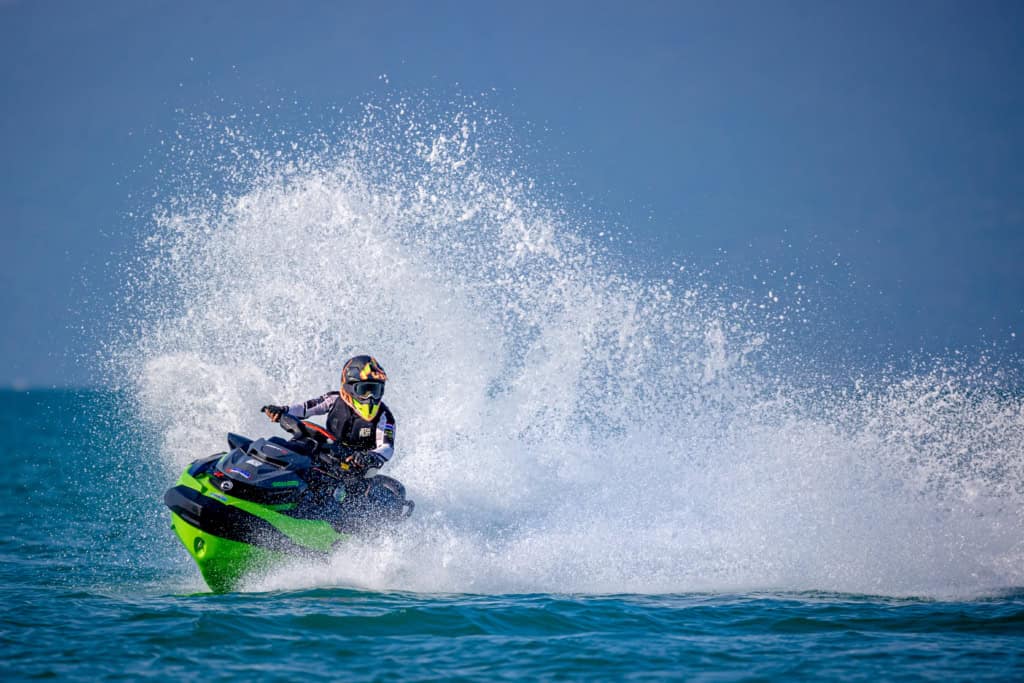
{"x": 314, "y": 406}
{"x": 385, "y": 434}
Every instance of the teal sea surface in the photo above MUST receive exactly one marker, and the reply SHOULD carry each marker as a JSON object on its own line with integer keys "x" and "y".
{"x": 95, "y": 587}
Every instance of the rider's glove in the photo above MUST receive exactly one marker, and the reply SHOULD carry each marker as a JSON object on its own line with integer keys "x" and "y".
{"x": 365, "y": 460}
{"x": 274, "y": 411}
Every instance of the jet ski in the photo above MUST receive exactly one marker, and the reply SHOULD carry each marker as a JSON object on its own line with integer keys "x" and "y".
{"x": 265, "y": 500}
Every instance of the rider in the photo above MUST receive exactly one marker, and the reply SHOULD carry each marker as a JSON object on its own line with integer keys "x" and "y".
{"x": 362, "y": 427}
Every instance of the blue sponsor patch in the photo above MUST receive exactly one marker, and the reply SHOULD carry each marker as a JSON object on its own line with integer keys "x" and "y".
{"x": 241, "y": 472}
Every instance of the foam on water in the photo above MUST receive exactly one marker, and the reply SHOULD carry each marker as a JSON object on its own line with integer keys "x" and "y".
{"x": 564, "y": 424}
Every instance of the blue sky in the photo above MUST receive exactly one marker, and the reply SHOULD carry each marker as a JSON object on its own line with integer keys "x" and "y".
{"x": 885, "y": 137}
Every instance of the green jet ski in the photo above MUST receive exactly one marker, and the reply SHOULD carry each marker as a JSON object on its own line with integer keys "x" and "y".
{"x": 266, "y": 500}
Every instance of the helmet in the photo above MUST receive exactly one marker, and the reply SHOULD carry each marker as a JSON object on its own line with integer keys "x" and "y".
{"x": 362, "y": 385}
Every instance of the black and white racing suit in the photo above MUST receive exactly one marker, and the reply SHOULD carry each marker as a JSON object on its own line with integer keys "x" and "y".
{"x": 348, "y": 428}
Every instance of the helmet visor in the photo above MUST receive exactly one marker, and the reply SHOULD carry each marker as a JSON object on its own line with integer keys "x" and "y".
{"x": 372, "y": 390}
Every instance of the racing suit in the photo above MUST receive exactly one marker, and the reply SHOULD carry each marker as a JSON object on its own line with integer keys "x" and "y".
{"x": 371, "y": 442}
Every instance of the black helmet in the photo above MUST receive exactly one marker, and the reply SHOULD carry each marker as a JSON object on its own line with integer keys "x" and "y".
{"x": 362, "y": 385}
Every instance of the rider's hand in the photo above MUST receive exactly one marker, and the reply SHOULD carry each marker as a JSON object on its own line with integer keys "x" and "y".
{"x": 336, "y": 454}
{"x": 274, "y": 412}
{"x": 365, "y": 460}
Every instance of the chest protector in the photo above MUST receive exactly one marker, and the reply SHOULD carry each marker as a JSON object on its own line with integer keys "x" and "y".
{"x": 351, "y": 430}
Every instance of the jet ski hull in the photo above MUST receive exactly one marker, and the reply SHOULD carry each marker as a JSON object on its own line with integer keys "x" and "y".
{"x": 222, "y": 562}
{"x": 229, "y": 537}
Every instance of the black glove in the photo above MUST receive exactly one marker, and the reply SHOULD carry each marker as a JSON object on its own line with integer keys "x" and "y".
{"x": 337, "y": 455}
{"x": 364, "y": 460}
{"x": 274, "y": 411}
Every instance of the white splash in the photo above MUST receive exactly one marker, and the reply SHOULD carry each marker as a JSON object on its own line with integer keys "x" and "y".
{"x": 563, "y": 425}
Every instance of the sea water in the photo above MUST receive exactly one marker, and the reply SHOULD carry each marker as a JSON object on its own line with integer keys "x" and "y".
{"x": 620, "y": 470}
{"x": 95, "y": 586}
